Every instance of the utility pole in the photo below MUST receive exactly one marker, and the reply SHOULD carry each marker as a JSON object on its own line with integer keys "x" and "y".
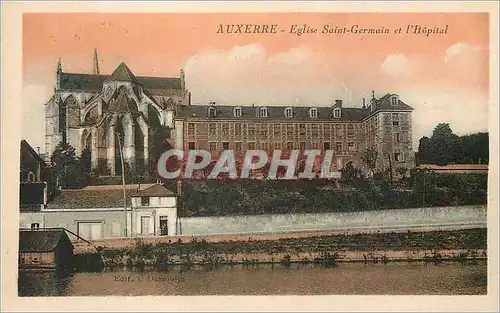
{"x": 423, "y": 193}
{"x": 123, "y": 183}
{"x": 390, "y": 168}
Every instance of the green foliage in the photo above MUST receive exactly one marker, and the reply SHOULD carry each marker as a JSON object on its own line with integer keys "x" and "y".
{"x": 220, "y": 198}
{"x": 68, "y": 171}
{"x": 444, "y": 147}
{"x": 369, "y": 157}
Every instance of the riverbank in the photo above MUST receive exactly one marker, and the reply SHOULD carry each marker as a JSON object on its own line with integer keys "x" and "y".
{"x": 435, "y": 247}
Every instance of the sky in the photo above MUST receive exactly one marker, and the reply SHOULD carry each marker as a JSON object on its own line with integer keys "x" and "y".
{"x": 443, "y": 77}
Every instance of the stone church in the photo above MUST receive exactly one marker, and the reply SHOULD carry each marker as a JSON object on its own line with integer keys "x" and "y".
{"x": 97, "y": 114}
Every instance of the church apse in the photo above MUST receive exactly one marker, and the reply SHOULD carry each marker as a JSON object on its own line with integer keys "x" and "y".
{"x": 90, "y": 111}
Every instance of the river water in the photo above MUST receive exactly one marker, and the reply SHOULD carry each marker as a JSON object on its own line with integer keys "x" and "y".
{"x": 298, "y": 279}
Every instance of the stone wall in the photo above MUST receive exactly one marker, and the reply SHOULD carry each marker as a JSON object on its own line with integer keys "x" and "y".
{"x": 388, "y": 219}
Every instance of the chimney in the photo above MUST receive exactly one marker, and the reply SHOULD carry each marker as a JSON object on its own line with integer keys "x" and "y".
{"x": 338, "y": 103}
{"x": 364, "y": 103}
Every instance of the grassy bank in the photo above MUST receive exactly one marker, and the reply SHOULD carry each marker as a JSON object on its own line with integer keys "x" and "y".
{"x": 460, "y": 245}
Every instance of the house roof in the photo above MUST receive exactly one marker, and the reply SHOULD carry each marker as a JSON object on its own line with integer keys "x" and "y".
{"x": 25, "y": 146}
{"x": 301, "y": 113}
{"x": 98, "y": 197}
{"x": 384, "y": 103}
{"x": 122, "y": 73}
{"x": 45, "y": 240}
{"x": 156, "y": 190}
{"x": 273, "y": 113}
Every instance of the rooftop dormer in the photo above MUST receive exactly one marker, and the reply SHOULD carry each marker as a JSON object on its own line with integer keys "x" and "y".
{"x": 212, "y": 112}
{"x": 337, "y": 109}
{"x": 394, "y": 100}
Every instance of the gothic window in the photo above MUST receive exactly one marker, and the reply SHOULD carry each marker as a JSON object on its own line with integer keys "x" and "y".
{"x": 62, "y": 120}
{"x": 108, "y": 92}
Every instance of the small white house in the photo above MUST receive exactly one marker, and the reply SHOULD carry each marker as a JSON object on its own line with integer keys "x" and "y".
{"x": 99, "y": 212}
{"x": 154, "y": 212}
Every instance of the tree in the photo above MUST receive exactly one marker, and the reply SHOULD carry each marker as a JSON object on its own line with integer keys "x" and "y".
{"x": 369, "y": 157}
{"x": 442, "y": 130}
{"x": 444, "y": 147}
{"x": 350, "y": 175}
{"x": 67, "y": 168}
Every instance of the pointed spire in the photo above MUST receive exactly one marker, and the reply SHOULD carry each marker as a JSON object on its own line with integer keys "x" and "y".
{"x": 59, "y": 66}
{"x": 59, "y": 74}
{"x": 183, "y": 80}
{"x": 96, "y": 63}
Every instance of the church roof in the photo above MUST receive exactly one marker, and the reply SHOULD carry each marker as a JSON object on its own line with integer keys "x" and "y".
{"x": 122, "y": 73}
{"x": 92, "y": 82}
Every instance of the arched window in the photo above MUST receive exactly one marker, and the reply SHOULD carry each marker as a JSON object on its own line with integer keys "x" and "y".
{"x": 288, "y": 112}
{"x": 263, "y": 112}
{"x": 336, "y": 113}
{"x": 313, "y": 112}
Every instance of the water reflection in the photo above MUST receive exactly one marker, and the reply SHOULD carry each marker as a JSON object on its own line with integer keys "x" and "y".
{"x": 392, "y": 278}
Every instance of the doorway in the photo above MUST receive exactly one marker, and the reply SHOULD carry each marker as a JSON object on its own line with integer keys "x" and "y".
{"x": 145, "y": 225}
{"x": 163, "y": 226}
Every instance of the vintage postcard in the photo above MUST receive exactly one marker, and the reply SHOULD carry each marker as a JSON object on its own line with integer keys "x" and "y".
{"x": 249, "y": 150}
